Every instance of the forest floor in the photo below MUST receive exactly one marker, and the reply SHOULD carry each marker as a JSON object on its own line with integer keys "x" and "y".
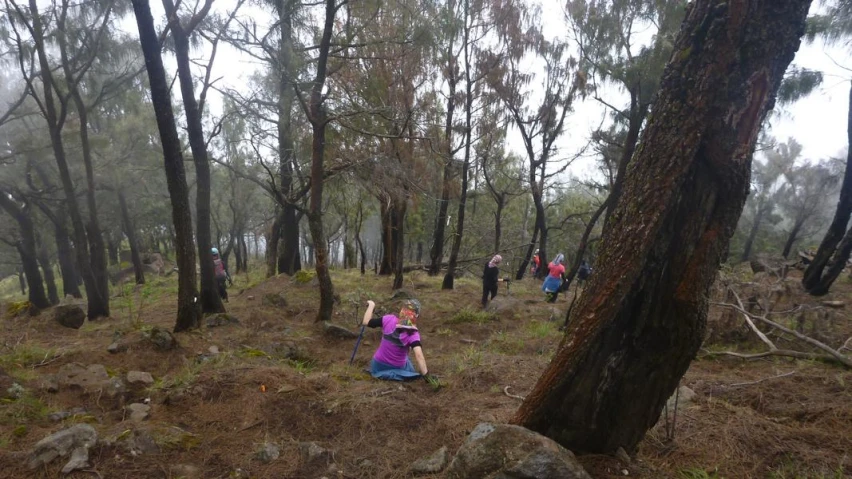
{"x": 276, "y": 378}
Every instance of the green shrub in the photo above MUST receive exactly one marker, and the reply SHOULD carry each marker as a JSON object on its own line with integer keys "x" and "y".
{"x": 468, "y": 315}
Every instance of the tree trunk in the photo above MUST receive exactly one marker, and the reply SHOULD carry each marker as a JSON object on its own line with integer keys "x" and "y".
{"x": 98, "y": 300}
{"x": 189, "y": 311}
{"x": 584, "y": 242}
{"x": 755, "y": 227}
{"x": 637, "y": 116}
{"x": 26, "y": 246}
{"x": 289, "y": 259}
{"x": 272, "y": 242}
{"x": 49, "y": 277}
{"x": 130, "y": 233}
{"x": 498, "y": 221}
{"x": 22, "y": 281}
{"x": 816, "y": 280}
{"x": 642, "y": 318}
{"x": 527, "y": 256}
{"x": 112, "y": 252}
{"x": 792, "y": 237}
{"x": 210, "y": 300}
{"x": 393, "y": 219}
{"x": 399, "y": 245}
{"x": 358, "y": 242}
{"x": 65, "y": 254}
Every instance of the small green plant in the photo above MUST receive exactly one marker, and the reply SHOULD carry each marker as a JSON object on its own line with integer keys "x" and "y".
{"x": 25, "y": 356}
{"x": 301, "y": 367}
{"x": 23, "y": 409}
{"x": 303, "y": 277}
{"x": 470, "y": 357}
{"x": 249, "y": 352}
{"x": 541, "y": 330}
{"x": 19, "y": 431}
{"x": 699, "y": 473}
{"x": 15, "y": 308}
{"x": 468, "y": 315}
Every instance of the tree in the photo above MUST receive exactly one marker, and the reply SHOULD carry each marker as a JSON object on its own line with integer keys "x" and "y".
{"x": 25, "y": 244}
{"x": 810, "y": 187}
{"x": 189, "y": 311}
{"x": 641, "y": 319}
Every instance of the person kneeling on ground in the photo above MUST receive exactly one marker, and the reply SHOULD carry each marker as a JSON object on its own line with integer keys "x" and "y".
{"x": 221, "y": 274}
{"x": 399, "y": 336}
{"x": 490, "y": 277}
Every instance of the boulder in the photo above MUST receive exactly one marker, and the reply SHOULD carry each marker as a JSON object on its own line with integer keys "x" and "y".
{"x": 75, "y": 375}
{"x": 268, "y": 452}
{"x": 432, "y": 464}
{"x": 162, "y": 339}
{"x": 504, "y": 451}
{"x": 221, "y": 319}
{"x": 69, "y": 315}
{"x": 274, "y": 300}
{"x": 77, "y": 439}
{"x": 116, "y": 347}
{"x": 138, "y": 412}
{"x": 337, "y": 332}
{"x": 139, "y": 378}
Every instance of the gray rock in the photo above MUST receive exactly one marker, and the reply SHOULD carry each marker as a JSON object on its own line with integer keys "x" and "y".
{"x": 504, "y": 451}
{"x": 162, "y": 339}
{"x": 268, "y": 452}
{"x": 684, "y": 395}
{"x": 139, "y": 378}
{"x": 49, "y": 383}
{"x": 138, "y": 412}
{"x": 312, "y": 451}
{"x": 116, "y": 347}
{"x": 60, "y": 415}
{"x": 221, "y": 319}
{"x": 214, "y": 350}
{"x": 79, "y": 460}
{"x": 75, "y": 375}
{"x": 401, "y": 294}
{"x": 432, "y": 464}
{"x": 337, "y": 332}
{"x": 274, "y": 300}
{"x": 141, "y": 442}
{"x": 62, "y": 443}
{"x": 69, "y": 315}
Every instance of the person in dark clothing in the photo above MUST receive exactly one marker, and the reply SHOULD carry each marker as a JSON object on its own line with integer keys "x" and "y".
{"x": 584, "y": 272}
{"x": 221, "y": 275}
{"x": 490, "y": 277}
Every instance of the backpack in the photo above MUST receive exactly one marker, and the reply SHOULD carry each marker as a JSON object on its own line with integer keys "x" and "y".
{"x": 584, "y": 272}
{"x": 219, "y": 269}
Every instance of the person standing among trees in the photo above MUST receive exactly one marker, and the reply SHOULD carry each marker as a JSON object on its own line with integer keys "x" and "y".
{"x": 221, "y": 273}
{"x": 553, "y": 283}
{"x": 399, "y": 336}
{"x": 490, "y": 277}
{"x": 536, "y": 263}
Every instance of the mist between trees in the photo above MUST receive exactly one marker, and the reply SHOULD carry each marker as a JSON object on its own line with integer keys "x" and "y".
{"x": 375, "y": 136}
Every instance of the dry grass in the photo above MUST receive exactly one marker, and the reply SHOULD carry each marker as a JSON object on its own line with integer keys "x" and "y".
{"x": 228, "y": 405}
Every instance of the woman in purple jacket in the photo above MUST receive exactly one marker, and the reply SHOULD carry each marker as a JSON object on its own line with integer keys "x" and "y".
{"x": 399, "y": 336}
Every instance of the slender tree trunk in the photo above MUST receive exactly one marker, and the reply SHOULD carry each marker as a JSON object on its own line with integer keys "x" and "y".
{"x": 189, "y": 310}
{"x": 130, "y": 232}
{"x": 830, "y": 255}
{"x": 752, "y": 232}
{"x": 49, "y": 278}
{"x": 272, "y": 242}
{"x": 22, "y": 281}
{"x": 527, "y": 256}
{"x": 498, "y": 221}
{"x": 210, "y": 300}
{"x": 791, "y": 238}
{"x": 638, "y": 112}
{"x": 26, "y": 246}
{"x": 112, "y": 252}
{"x": 584, "y": 243}
{"x": 642, "y": 318}
{"x": 98, "y": 301}
{"x": 399, "y": 244}
{"x": 65, "y": 254}
{"x": 358, "y": 242}
{"x": 289, "y": 260}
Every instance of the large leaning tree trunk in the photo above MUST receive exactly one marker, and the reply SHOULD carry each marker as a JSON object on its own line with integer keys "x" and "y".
{"x": 642, "y": 319}
{"x": 189, "y": 310}
{"x": 836, "y": 246}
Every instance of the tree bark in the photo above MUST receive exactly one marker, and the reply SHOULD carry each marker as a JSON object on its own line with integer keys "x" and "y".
{"x": 65, "y": 254}
{"x": 755, "y": 227}
{"x": 189, "y": 310}
{"x": 792, "y": 237}
{"x": 49, "y": 277}
{"x": 130, "y": 232}
{"x": 831, "y": 254}
{"x": 642, "y": 318}
{"x": 272, "y": 242}
{"x": 26, "y": 246}
{"x": 22, "y": 281}
{"x": 210, "y": 300}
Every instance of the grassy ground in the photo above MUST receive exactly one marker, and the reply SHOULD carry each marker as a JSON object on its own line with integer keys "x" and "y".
{"x": 213, "y": 412}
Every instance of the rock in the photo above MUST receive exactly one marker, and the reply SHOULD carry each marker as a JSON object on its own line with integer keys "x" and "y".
{"x": 78, "y": 436}
{"x": 502, "y": 304}
{"x": 556, "y": 315}
{"x": 487, "y": 417}
{"x": 506, "y": 451}
{"x": 274, "y": 300}
{"x": 214, "y": 350}
{"x": 139, "y": 378}
{"x": 312, "y": 451}
{"x": 622, "y": 456}
{"x": 187, "y": 471}
{"x": 268, "y": 452}
{"x": 79, "y": 460}
{"x": 162, "y": 339}
{"x": 138, "y": 412}
{"x": 401, "y": 294}
{"x": 834, "y": 304}
{"x": 684, "y": 395}
{"x": 116, "y": 347}
{"x": 69, "y": 315}
{"x": 49, "y": 383}
{"x": 75, "y": 375}
{"x": 432, "y": 464}
{"x": 141, "y": 442}
{"x": 60, "y": 415}
{"x": 250, "y": 298}
{"x": 337, "y": 332}
{"x": 221, "y": 319}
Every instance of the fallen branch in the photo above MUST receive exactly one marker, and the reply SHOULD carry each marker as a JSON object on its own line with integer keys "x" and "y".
{"x": 765, "y": 379}
{"x": 515, "y": 396}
